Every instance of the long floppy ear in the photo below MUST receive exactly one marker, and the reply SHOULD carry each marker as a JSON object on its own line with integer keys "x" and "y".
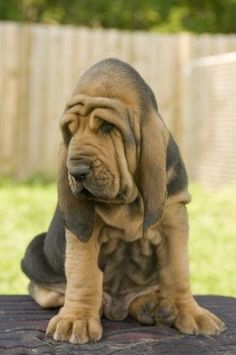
{"x": 78, "y": 215}
{"x": 152, "y": 168}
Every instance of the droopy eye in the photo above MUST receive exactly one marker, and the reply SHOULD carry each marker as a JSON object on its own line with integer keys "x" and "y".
{"x": 107, "y": 127}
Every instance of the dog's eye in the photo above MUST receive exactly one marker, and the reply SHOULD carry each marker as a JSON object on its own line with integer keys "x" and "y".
{"x": 107, "y": 127}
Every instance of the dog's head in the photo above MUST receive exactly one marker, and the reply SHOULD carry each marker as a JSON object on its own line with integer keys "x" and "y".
{"x": 114, "y": 147}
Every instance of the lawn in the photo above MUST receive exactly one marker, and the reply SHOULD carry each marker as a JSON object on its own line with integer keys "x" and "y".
{"x": 26, "y": 209}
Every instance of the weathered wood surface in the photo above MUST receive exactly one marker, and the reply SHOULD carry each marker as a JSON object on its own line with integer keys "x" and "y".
{"x": 23, "y": 324}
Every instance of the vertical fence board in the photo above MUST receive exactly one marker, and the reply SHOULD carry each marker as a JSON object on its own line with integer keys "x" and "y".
{"x": 10, "y": 93}
{"x": 21, "y": 141}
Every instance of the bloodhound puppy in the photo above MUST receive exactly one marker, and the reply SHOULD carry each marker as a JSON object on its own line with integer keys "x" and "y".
{"x": 118, "y": 242}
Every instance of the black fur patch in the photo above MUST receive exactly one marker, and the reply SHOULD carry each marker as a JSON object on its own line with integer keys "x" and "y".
{"x": 174, "y": 161}
{"x": 66, "y": 135}
{"x": 36, "y": 265}
{"x": 45, "y": 255}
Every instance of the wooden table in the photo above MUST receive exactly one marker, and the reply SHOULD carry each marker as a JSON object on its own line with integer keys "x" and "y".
{"x": 23, "y": 324}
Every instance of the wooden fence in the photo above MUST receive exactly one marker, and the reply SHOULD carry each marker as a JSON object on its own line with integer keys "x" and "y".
{"x": 39, "y": 65}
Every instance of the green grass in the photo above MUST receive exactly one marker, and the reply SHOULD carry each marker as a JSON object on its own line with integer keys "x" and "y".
{"x": 213, "y": 241}
{"x": 26, "y": 209}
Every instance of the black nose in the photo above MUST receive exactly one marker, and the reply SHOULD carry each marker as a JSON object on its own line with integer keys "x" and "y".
{"x": 79, "y": 172}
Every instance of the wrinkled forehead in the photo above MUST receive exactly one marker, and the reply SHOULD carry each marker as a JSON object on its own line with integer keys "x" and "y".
{"x": 85, "y": 104}
{"x": 111, "y": 110}
{"x": 93, "y": 108}
{"x": 116, "y": 80}
{"x": 99, "y": 92}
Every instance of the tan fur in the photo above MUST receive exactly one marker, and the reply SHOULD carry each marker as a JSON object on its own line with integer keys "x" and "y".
{"x": 79, "y": 319}
{"x": 143, "y": 308}
{"x": 174, "y": 303}
{"x": 46, "y": 297}
{"x": 130, "y": 229}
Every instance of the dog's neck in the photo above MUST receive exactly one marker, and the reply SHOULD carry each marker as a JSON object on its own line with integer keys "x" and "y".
{"x": 116, "y": 216}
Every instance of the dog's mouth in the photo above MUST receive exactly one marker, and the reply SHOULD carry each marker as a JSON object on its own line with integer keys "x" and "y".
{"x": 84, "y": 193}
{"x": 78, "y": 189}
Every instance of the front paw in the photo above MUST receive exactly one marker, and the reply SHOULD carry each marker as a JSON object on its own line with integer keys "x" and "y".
{"x": 74, "y": 328}
{"x": 189, "y": 318}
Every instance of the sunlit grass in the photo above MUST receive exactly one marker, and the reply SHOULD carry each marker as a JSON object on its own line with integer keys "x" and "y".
{"x": 26, "y": 209}
{"x": 212, "y": 241}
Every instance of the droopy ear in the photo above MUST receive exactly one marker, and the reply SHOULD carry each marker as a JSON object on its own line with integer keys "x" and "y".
{"x": 78, "y": 215}
{"x": 152, "y": 168}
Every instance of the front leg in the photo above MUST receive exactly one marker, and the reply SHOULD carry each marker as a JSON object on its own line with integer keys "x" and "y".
{"x": 78, "y": 321}
{"x": 177, "y": 306}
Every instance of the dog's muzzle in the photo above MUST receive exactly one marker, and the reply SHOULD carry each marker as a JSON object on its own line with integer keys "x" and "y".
{"x": 77, "y": 177}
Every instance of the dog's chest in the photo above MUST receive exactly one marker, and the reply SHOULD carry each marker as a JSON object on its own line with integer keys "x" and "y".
{"x": 130, "y": 269}
{"x": 127, "y": 258}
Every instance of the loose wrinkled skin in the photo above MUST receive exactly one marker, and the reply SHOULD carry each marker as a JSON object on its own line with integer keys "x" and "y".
{"x": 121, "y": 225}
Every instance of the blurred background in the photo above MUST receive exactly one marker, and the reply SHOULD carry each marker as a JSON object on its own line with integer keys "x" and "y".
{"x": 184, "y": 49}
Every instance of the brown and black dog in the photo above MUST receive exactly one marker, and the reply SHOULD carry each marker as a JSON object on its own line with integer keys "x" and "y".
{"x": 118, "y": 242}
